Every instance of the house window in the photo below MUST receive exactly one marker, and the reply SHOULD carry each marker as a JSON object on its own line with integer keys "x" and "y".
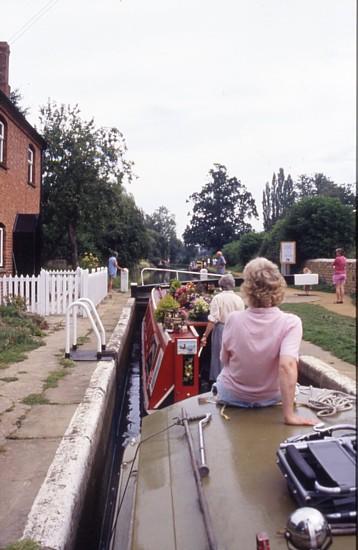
{"x": 2, "y": 238}
{"x": 2, "y": 141}
{"x": 30, "y": 165}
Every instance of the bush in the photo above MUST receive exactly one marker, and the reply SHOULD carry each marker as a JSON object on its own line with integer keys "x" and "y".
{"x": 318, "y": 226}
{"x": 231, "y": 252}
{"x": 14, "y": 305}
{"x": 245, "y": 249}
{"x": 19, "y": 330}
{"x": 89, "y": 261}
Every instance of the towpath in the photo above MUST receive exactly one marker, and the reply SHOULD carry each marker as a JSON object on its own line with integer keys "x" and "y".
{"x": 30, "y": 435}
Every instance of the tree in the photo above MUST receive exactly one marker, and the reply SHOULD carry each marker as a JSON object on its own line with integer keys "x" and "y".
{"x": 83, "y": 168}
{"x": 220, "y": 211}
{"x": 162, "y": 229}
{"x": 122, "y": 229}
{"x": 318, "y": 225}
{"x": 277, "y": 198}
{"x": 16, "y": 98}
{"x": 321, "y": 186}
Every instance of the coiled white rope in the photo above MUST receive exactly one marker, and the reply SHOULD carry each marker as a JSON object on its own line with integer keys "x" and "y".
{"x": 330, "y": 402}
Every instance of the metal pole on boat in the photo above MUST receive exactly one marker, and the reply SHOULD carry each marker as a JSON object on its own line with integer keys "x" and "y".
{"x": 203, "y": 467}
{"x": 202, "y": 499}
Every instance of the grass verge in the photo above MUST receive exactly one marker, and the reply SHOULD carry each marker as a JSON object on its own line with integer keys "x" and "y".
{"x": 25, "y": 544}
{"x": 332, "y": 332}
{"x": 19, "y": 332}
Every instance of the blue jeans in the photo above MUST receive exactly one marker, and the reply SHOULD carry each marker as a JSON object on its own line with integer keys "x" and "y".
{"x": 227, "y": 397}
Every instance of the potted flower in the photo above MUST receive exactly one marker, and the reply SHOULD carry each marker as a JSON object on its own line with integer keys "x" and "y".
{"x": 167, "y": 307}
{"x": 199, "y": 310}
{"x": 175, "y": 284}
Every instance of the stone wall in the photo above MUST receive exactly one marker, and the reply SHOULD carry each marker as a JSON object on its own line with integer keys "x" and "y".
{"x": 324, "y": 268}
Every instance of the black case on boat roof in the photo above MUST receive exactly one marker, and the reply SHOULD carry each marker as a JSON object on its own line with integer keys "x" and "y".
{"x": 320, "y": 470}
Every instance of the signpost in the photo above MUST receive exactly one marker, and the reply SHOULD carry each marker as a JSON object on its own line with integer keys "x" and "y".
{"x": 287, "y": 256}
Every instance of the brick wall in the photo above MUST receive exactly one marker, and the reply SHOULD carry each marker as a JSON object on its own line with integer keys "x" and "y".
{"x": 324, "y": 268}
{"x": 16, "y": 195}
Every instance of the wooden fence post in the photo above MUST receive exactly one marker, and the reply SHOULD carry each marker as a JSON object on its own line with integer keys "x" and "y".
{"x": 41, "y": 293}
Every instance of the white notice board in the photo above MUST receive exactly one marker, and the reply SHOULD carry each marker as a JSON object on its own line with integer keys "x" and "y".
{"x": 288, "y": 252}
{"x": 306, "y": 279}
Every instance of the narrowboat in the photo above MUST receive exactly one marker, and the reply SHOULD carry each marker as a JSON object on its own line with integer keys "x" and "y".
{"x": 201, "y": 476}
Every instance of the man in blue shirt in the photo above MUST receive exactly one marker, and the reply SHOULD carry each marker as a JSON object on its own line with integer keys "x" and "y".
{"x": 220, "y": 262}
{"x": 113, "y": 266}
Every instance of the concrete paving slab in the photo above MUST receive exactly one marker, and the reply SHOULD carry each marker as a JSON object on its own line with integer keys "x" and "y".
{"x": 10, "y": 422}
{"x": 45, "y": 421}
{"x": 73, "y": 386}
{"x": 5, "y": 404}
{"x": 20, "y": 481}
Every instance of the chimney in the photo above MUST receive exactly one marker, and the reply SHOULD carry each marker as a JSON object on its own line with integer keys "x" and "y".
{"x": 4, "y": 68}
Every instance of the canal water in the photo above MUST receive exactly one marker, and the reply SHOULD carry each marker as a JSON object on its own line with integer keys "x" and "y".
{"x": 126, "y": 427}
{"x": 94, "y": 531}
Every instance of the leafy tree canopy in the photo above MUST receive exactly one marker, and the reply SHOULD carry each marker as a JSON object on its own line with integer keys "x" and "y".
{"x": 122, "y": 229}
{"x": 277, "y": 198}
{"x": 161, "y": 227}
{"x": 321, "y": 186}
{"x": 221, "y": 211}
{"x": 84, "y": 204}
{"x": 283, "y": 193}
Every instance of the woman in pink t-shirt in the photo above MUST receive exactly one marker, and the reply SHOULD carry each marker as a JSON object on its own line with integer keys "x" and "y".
{"x": 339, "y": 275}
{"x": 260, "y": 346}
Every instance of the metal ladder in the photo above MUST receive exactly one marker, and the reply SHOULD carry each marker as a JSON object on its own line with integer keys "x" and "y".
{"x": 85, "y": 355}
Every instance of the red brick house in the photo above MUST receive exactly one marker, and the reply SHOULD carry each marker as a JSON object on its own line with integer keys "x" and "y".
{"x": 20, "y": 183}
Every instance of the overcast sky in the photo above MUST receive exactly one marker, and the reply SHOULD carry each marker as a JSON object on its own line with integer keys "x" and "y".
{"x": 252, "y": 84}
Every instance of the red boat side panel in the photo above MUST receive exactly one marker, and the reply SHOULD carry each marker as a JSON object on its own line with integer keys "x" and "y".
{"x": 169, "y": 362}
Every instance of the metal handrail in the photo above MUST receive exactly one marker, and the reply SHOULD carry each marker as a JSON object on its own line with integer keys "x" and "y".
{"x": 97, "y": 319}
{"x": 176, "y": 271}
{"x": 94, "y": 327}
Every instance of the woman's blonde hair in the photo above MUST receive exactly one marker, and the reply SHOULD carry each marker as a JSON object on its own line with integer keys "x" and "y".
{"x": 263, "y": 284}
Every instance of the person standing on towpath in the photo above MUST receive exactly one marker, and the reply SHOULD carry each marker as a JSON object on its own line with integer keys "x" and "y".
{"x": 113, "y": 267}
{"x": 220, "y": 262}
{"x": 339, "y": 275}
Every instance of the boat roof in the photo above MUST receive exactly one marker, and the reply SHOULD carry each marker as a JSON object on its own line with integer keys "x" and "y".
{"x": 245, "y": 491}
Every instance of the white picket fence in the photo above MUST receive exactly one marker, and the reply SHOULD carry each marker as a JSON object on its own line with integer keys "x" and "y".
{"x": 51, "y": 292}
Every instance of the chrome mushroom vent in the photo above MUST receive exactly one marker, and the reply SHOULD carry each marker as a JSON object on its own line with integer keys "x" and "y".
{"x": 308, "y": 529}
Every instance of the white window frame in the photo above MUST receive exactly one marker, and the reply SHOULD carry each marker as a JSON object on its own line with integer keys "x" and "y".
{"x": 30, "y": 165}
{"x": 1, "y": 246}
{"x": 2, "y": 142}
